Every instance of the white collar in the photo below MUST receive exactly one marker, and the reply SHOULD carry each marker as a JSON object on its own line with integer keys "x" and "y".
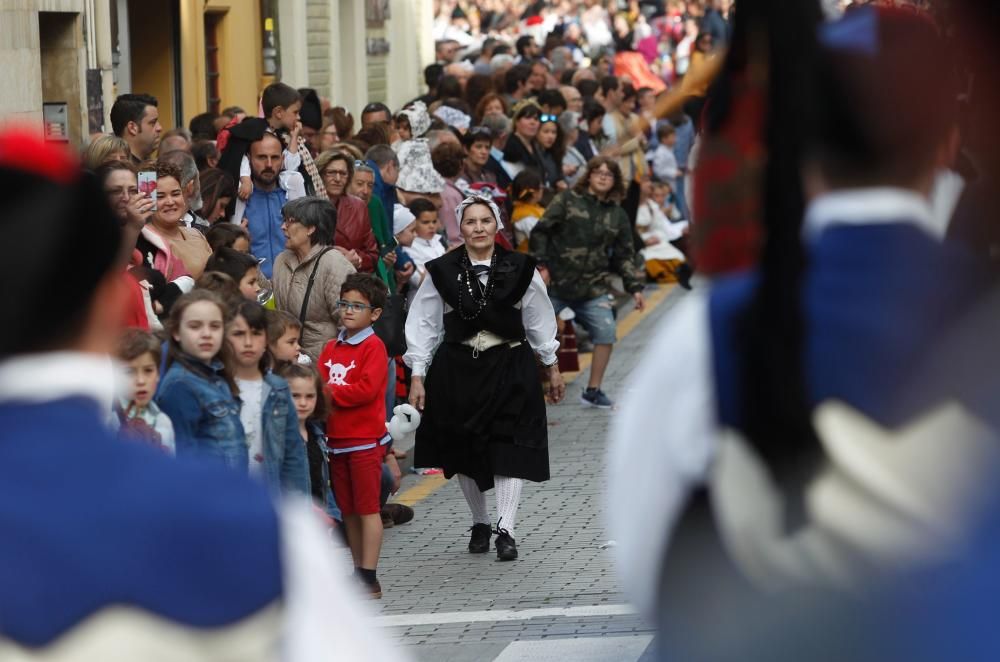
{"x": 357, "y": 338}
{"x": 870, "y": 206}
{"x": 48, "y": 376}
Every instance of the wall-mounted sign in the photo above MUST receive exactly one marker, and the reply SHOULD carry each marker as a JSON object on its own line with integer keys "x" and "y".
{"x": 376, "y": 46}
{"x": 55, "y": 117}
{"x": 377, "y": 11}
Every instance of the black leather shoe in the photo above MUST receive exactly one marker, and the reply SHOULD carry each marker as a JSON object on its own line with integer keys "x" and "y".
{"x": 506, "y": 549}
{"x": 479, "y": 543}
{"x": 683, "y": 275}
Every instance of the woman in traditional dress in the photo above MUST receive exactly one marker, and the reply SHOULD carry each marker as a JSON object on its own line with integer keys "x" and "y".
{"x": 483, "y": 407}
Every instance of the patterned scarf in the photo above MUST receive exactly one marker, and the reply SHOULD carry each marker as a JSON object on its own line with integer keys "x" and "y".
{"x": 311, "y": 169}
{"x": 307, "y": 163}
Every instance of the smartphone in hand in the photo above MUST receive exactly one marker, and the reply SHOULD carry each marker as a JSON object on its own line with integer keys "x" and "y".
{"x": 388, "y": 247}
{"x": 147, "y": 184}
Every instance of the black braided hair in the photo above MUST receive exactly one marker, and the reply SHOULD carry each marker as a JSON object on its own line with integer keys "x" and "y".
{"x": 776, "y": 411}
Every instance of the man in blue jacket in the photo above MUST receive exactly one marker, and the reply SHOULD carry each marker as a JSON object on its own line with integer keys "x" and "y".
{"x": 263, "y": 210}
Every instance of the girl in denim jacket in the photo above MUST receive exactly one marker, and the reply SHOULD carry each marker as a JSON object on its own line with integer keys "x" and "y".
{"x": 275, "y": 449}
{"x": 197, "y": 392}
{"x": 311, "y": 410}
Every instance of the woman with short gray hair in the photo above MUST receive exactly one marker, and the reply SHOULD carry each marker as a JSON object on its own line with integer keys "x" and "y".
{"x": 308, "y": 273}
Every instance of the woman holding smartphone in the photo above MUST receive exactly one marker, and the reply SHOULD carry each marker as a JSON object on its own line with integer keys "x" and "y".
{"x": 186, "y": 244}
{"x": 134, "y": 208}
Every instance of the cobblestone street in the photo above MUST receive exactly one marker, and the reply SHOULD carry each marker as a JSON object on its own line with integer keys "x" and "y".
{"x": 560, "y": 599}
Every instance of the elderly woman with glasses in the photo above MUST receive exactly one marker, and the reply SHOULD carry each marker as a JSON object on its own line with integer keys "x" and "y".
{"x": 354, "y": 229}
{"x": 485, "y": 310}
{"x": 309, "y": 272}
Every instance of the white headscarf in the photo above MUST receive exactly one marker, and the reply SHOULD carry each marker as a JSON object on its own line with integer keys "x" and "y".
{"x": 416, "y": 169}
{"x": 420, "y": 121}
{"x": 478, "y": 200}
{"x": 401, "y": 218}
{"x": 453, "y": 117}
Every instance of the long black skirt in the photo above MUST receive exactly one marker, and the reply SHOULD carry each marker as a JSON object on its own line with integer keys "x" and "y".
{"x": 484, "y": 416}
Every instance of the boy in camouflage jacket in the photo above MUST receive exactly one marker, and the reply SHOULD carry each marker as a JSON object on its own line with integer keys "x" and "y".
{"x": 584, "y": 238}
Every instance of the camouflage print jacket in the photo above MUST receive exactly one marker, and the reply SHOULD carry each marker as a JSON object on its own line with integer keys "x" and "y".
{"x": 582, "y": 242}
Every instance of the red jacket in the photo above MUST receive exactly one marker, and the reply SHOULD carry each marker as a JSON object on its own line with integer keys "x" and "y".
{"x": 356, "y": 373}
{"x": 354, "y": 231}
{"x": 135, "y": 310}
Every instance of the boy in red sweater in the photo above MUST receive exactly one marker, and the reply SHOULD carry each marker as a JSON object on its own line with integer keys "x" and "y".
{"x": 354, "y": 368}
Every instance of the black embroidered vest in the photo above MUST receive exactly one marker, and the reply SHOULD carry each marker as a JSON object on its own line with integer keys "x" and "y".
{"x": 513, "y": 274}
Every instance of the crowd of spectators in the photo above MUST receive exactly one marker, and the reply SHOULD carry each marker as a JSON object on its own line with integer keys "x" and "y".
{"x": 258, "y": 242}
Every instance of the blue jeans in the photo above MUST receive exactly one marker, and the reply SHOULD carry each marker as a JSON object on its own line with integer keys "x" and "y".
{"x": 596, "y": 315}
{"x": 680, "y": 197}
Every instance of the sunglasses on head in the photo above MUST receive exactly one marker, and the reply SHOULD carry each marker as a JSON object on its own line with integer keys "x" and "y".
{"x": 548, "y": 118}
{"x": 479, "y": 131}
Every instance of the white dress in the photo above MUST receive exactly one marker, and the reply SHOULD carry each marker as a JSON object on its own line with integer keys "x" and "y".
{"x": 252, "y": 417}
{"x": 653, "y": 223}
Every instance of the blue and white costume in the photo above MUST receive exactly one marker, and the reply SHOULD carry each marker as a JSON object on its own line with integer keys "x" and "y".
{"x": 881, "y": 290}
{"x": 112, "y": 551}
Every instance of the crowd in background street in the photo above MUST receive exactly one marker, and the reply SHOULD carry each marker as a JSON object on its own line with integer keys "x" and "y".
{"x": 267, "y": 244}
{"x": 550, "y": 117}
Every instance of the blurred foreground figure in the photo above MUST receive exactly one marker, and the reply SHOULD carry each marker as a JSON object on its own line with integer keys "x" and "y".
{"x": 113, "y": 551}
{"x": 834, "y": 423}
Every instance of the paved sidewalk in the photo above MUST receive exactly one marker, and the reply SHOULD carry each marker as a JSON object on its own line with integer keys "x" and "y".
{"x": 560, "y": 599}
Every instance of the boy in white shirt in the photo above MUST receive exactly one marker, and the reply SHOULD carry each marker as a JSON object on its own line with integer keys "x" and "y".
{"x": 663, "y": 160}
{"x": 416, "y": 231}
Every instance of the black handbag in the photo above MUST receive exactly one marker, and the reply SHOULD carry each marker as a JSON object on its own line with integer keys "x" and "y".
{"x": 390, "y": 326}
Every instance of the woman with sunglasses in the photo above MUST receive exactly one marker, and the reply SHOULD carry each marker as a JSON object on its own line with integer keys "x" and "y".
{"x": 354, "y": 236}
{"x": 551, "y": 152}
{"x": 484, "y": 411}
{"x": 309, "y": 225}
{"x": 522, "y": 150}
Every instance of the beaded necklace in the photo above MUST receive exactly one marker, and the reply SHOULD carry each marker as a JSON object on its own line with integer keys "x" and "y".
{"x": 486, "y": 292}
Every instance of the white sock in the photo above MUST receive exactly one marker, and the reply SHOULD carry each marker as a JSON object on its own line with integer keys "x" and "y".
{"x": 475, "y": 499}
{"x": 508, "y": 495}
